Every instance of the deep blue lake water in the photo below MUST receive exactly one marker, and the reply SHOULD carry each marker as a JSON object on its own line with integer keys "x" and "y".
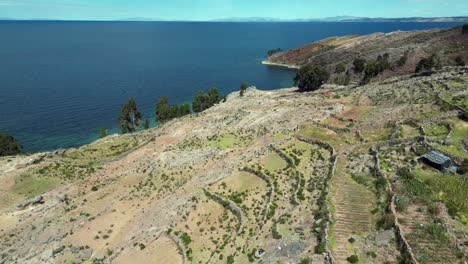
{"x": 61, "y": 81}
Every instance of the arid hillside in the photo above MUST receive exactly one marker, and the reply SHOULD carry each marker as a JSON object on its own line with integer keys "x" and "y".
{"x": 403, "y": 48}
{"x": 329, "y": 176}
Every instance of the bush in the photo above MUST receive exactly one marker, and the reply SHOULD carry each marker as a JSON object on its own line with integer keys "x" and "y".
{"x": 359, "y": 65}
{"x": 403, "y": 59}
{"x": 353, "y": 259}
{"x": 465, "y": 29}
{"x": 311, "y": 77}
{"x": 321, "y": 248}
{"x": 94, "y": 188}
{"x": 459, "y": 61}
{"x": 340, "y": 68}
{"x": 428, "y": 64}
{"x": 9, "y": 145}
{"x": 374, "y": 68}
{"x": 186, "y": 239}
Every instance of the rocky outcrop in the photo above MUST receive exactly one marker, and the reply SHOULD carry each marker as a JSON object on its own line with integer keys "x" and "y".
{"x": 30, "y": 202}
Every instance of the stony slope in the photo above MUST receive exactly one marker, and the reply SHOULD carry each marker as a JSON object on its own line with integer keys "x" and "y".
{"x": 218, "y": 186}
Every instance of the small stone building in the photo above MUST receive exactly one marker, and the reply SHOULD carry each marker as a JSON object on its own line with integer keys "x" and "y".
{"x": 437, "y": 160}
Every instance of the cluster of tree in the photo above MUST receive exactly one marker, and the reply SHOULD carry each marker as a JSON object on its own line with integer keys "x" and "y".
{"x": 202, "y": 101}
{"x": 273, "y": 51}
{"x": 9, "y": 145}
{"x": 165, "y": 111}
{"x": 375, "y": 67}
{"x": 243, "y": 88}
{"x": 311, "y": 77}
{"x": 465, "y": 29}
{"x": 429, "y": 64}
{"x": 130, "y": 118}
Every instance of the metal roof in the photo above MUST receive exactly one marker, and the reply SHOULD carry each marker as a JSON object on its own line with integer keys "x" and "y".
{"x": 436, "y": 157}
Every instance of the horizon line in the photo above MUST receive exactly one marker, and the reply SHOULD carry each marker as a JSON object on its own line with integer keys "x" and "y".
{"x": 243, "y": 19}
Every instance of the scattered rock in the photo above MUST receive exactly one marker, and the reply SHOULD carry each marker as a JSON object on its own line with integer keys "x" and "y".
{"x": 58, "y": 250}
{"x": 32, "y": 201}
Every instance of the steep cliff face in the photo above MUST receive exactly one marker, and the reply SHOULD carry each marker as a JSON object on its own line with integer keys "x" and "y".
{"x": 448, "y": 44}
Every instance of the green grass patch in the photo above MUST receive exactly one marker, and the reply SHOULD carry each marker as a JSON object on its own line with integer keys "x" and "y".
{"x": 375, "y": 135}
{"x": 274, "y": 162}
{"x": 451, "y": 189}
{"x": 460, "y": 132}
{"x": 437, "y": 130}
{"x": 29, "y": 186}
{"x": 461, "y": 101}
{"x": 408, "y": 131}
{"x": 100, "y": 151}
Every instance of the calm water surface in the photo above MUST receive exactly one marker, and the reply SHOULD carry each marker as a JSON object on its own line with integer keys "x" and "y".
{"x": 61, "y": 81}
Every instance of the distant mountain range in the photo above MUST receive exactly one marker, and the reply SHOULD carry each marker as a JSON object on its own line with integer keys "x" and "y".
{"x": 347, "y": 19}
{"x": 461, "y": 19}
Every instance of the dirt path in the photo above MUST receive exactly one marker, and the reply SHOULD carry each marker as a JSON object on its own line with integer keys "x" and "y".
{"x": 351, "y": 215}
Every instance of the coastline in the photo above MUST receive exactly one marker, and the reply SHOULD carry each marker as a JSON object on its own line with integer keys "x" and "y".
{"x": 289, "y": 66}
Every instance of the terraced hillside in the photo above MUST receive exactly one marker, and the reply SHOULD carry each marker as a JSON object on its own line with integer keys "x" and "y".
{"x": 402, "y": 49}
{"x": 270, "y": 177}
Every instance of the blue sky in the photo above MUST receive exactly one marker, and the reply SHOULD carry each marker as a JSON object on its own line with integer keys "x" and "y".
{"x": 213, "y": 9}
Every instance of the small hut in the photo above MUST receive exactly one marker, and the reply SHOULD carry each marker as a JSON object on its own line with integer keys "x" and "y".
{"x": 437, "y": 160}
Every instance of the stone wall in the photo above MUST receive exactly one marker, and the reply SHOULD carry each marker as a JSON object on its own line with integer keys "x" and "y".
{"x": 405, "y": 248}
{"x": 180, "y": 246}
{"x": 323, "y": 200}
{"x": 333, "y": 128}
{"x": 323, "y": 144}
{"x": 271, "y": 186}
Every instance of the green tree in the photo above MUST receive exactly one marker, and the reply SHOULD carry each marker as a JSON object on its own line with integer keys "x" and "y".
{"x": 103, "y": 132}
{"x": 166, "y": 111}
{"x": 311, "y": 77}
{"x": 340, "y": 68}
{"x": 200, "y": 102}
{"x": 374, "y": 68}
{"x": 146, "y": 124}
{"x": 359, "y": 65}
{"x": 213, "y": 96}
{"x": 243, "y": 88}
{"x": 184, "y": 109}
{"x": 162, "y": 109}
{"x": 9, "y": 145}
{"x": 130, "y": 117}
{"x": 273, "y": 51}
